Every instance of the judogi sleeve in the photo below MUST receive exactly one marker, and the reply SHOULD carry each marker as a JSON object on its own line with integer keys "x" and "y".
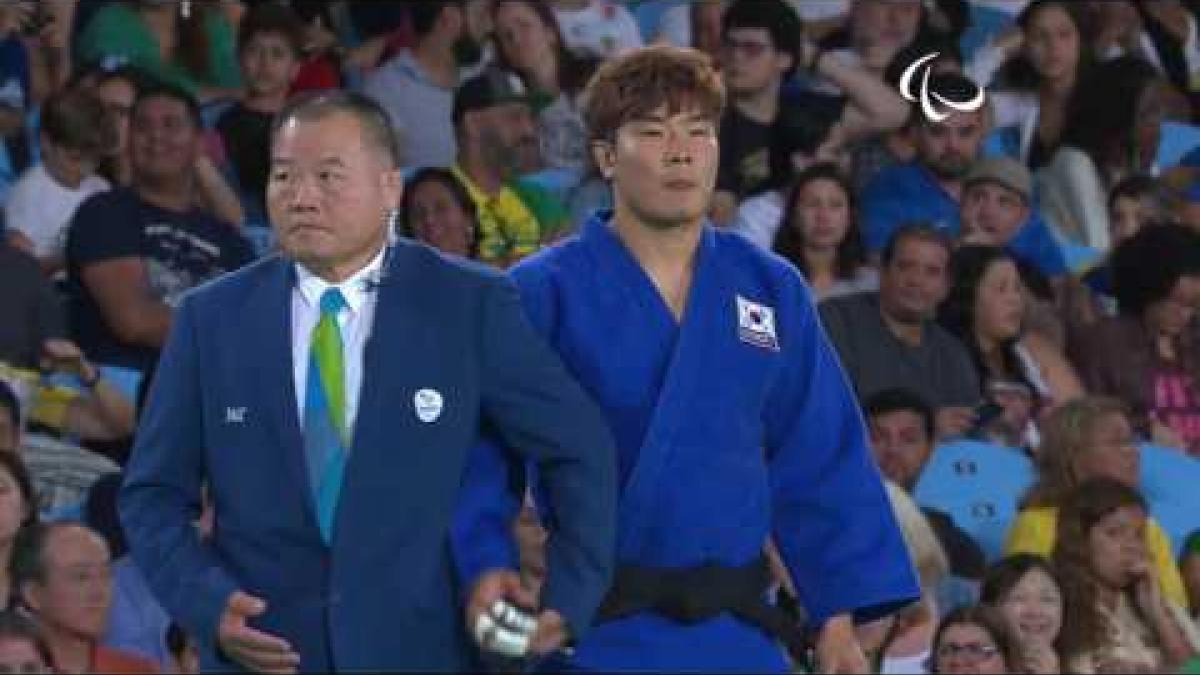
{"x": 832, "y": 520}
{"x": 539, "y": 411}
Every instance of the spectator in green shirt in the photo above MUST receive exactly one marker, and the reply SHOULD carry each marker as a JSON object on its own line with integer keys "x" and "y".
{"x": 195, "y": 52}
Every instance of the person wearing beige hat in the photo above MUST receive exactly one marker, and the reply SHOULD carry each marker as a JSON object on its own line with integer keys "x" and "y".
{"x": 995, "y": 210}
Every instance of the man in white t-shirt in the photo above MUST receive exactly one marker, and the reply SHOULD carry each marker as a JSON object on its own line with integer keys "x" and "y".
{"x": 600, "y": 28}
{"x": 75, "y": 133}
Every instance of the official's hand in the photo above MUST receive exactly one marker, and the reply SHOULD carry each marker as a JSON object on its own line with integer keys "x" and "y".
{"x": 253, "y": 649}
{"x": 493, "y": 586}
{"x": 551, "y": 634}
{"x": 838, "y": 650}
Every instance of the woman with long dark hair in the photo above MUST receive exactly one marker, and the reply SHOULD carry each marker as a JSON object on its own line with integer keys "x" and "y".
{"x": 819, "y": 234}
{"x": 985, "y": 308}
{"x": 1116, "y": 616}
{"x": 1039, "y": 61}
{"x": 529, "y": 43}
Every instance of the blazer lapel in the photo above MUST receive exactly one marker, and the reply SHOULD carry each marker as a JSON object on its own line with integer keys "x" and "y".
{"x": 269, "y": 338}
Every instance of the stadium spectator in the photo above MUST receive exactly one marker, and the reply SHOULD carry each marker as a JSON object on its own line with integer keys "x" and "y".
{"x": 269, "y": 44}
{"x": 76, "y": 133}
{"x": 1019, "y": 370}
{"x": 1086, "y": 438}
{"x": 195, "y": 52}
{"x": 889, "y": 338}
{"x": 529, "y": 43}
{"x": 416, "y": 87}
{"x": 497, "y": 144}
{"x": 997, "y": 210}
{"x": 62, "y": 576}
{"x": 819, "y": 234}
{"x": 901, "y": 428}
{"x": 437, "y": 210}
{"x": 132, "y": 252}
{"x": 764, "y": 127}
{"x": 1111, "y": 130}
{"x": 1117, "y": 619}
{"x": 1040, "y": 58}
{"x": 974, "y": 640}
{"x": 1147, "y": 355}
{"x": 1024, "y": 589}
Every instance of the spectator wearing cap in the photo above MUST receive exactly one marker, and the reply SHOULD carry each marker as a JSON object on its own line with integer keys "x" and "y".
{"x": 62, "y": 575}
{"x": 416, "y": 87}
{"x": 931, "y": 187}
{"x": 997, "y": 210}
{"x": 75, "y": 135}
{"x": 497, "y": 144}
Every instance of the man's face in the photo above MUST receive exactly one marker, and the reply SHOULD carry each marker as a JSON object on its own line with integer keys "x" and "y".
{"x": 164, "y": 139}
{"x": 76, "y": 592}
{"x": 268, "y": 64}
{"x": 991, "y": 213}
{"x": 901, "y": 445}
{"x": 328, "y": 193}
{"x": 508, "y": 138}
{"x": 915, "y": 281}
{"x": 948, "y": 148}
{"x": 663, "y": 166}
{"x": 751, "y": 64}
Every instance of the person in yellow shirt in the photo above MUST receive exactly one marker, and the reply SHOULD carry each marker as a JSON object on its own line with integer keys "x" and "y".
{"x": 1090, "y": 437}
{"x": 497, "y": 144}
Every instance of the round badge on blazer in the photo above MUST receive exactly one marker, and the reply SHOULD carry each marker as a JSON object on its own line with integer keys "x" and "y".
{"x": 428, "y": 404}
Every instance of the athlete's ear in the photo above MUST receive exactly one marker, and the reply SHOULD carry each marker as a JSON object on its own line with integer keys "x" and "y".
{"x": 604, "y": 156}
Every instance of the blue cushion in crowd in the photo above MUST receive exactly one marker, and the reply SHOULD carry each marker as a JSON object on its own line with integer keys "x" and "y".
{"x": 979, "y": 486}
{"x": 1176, "y": 142}
{"x": 984, "y": 22}
{"x": 1168, "y": 479}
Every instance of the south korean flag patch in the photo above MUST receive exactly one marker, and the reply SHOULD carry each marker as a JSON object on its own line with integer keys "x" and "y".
{"x": 756, "y": 324}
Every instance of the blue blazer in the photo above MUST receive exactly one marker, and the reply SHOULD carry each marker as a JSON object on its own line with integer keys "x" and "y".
{"x": 387, "y": 593}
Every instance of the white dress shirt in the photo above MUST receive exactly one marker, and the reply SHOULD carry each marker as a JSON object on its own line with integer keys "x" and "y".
{"x": 355, "y": 321}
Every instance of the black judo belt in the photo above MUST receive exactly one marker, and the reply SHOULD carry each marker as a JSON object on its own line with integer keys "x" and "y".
{"x": 694, "y": 594}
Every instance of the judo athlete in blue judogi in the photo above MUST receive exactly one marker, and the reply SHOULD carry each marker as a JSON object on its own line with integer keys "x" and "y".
{"x": 733, "y": 419}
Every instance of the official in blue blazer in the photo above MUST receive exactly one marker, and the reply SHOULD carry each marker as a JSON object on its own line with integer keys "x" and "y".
{"x": 330, "y": 400}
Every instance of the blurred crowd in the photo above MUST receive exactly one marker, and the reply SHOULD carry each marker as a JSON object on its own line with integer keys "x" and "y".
{"x": 1011, "y": 286}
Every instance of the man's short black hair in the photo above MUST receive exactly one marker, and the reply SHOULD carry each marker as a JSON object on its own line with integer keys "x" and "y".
{"x": 9, "y": 403}
{"x": 160, "y": 89}
{"x": 376, "y": 125}
{"x": 271, "y": 18}
{"x": 901, "y": 400}
{"x": 774, "y": 16}
{"x": 424, "y": 14}
{"x": 914, "y": 230}
{"x": 29, "y": 550}
{"x": 1147, "y": 266}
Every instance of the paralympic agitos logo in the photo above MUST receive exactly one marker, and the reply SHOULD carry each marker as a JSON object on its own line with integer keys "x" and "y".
{"x": 930, "y": 100}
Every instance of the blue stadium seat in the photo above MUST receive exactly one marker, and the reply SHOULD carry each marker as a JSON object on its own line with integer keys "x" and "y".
{"x": 1168, "y": 481}
{"x": 979, "y": 485}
